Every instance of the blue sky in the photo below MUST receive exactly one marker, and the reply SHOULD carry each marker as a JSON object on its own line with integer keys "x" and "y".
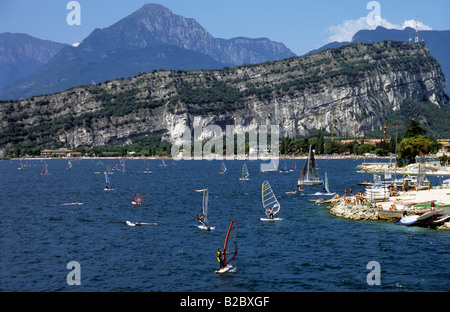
{"x": 301, "y": 25}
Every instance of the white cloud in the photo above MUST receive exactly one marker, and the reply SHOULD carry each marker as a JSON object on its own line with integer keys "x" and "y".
{"x": 346, "y": 30}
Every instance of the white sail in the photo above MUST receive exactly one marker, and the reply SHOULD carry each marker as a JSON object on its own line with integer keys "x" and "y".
{"x": 205, "y": 206}
{"x": 327, "y": 189}
{"x": 245, "y": 173}
{"x": 310, "y": 176}
{"x": 269, "y": 200}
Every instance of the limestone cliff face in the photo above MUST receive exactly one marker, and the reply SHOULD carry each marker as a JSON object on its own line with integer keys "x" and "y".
{"x": 356, "y": 87}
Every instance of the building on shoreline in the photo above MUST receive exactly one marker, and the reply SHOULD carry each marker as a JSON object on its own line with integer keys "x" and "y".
{"x": 62, "y": 152}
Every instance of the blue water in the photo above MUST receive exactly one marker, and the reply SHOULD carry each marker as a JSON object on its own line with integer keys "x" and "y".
{"x": 309, "y": 250}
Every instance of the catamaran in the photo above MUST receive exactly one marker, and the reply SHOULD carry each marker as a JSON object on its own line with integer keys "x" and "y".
{"x": 204, "y": 219}
{"x": 229, "y": 248}
{"x": 310, "y": 176}
{"x": 270, "y": 202}
{"x": 245, "y": 173}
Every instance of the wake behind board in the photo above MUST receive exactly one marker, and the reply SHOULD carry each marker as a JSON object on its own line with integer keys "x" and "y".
{"x": 224, "y": 269}
{"x": 138, "y": 223}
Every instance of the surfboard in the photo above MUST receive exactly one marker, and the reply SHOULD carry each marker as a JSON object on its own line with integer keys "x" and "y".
{"x": 270, "y": 202}
{"x": 206, "y": 228}
{"x": 138, "y": 223}
{"x": 229, "y": 247}
{"x": 224, "y": 269}
{"x": 271, "y": 219}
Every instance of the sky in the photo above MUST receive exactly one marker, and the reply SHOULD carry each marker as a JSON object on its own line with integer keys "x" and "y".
{"x": 302, "y": 25}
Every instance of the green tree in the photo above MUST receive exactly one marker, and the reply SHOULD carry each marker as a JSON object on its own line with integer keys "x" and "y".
{"x": 414, "y": 129}
{"x": 409, "y": 148}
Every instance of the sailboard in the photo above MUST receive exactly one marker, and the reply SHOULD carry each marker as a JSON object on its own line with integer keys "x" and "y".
{"x": 107, "y": 181}
{"x": 325, "y": 187}
{"x": 148, "y": 168}
{"x": 129, "y": 223}
{"x": 204, "y": 224}
{"x": 270, "y": 202}
{"x": 223, "y": 168}
{"x": 44, "y": 168}
{"x": 245, "y": 173}
{"x": 138, "y": 199}
{"x": 229, "y": 248}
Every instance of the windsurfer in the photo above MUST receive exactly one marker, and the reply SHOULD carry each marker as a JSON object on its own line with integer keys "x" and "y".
{"x": 220, "y": 258}
{"x": 199, "y": 219}
{"x": 270, "y": 211}
{"x": 106, "y": 186}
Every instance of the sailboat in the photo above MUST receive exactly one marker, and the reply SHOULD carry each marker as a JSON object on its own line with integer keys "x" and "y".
{"x": 245, "y": 173}
{"x": 270, "y": 203}
{"x": 223, "y": 168}
{"x": 310, "y": 176}
{"x": 229, "y": 248}
{"x": 204, "y": 224}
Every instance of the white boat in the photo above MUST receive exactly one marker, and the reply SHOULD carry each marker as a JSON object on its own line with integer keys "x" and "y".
{"x": 310, "y": 175}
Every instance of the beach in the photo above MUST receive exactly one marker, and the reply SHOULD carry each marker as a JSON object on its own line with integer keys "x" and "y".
{"x": 393, "y": 208}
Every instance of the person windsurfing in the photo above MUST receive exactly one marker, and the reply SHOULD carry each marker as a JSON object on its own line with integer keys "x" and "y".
{"x": 199, "y": 219}
{"x": 107, "y": 186}
{"x": 270, "y": 211}
{"x": 220, "y": 258}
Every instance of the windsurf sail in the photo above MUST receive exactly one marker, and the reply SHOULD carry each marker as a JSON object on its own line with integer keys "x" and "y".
{"x": 138, "y": 198}
{"x": 310, "y": 175}
{"x": 326, "y": 188}
{"x": 270, "y": 203}
{"x": 205, "y": 206}
{"x": 223, "y": 168}
{"x": 245, "y": 173}
{"x": 107, "y": 182}
{"x": 44, "y": 168}
{"x": 230, "y": 246}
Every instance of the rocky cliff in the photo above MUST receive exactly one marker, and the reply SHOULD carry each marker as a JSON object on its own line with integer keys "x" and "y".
{"x": 357, "y": 85}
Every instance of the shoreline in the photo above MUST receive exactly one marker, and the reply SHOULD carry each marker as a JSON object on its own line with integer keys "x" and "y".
{"x": 407, "y": 203}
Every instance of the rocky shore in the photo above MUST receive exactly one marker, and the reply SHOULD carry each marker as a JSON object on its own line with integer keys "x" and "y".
{"x": 394, "y": 208}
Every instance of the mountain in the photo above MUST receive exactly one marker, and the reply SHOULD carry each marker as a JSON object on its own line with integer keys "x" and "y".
{"x": 150, "y": 38}
{"x": 437, "y": 41}
{"x": 357, "y": 85}
{"x": 21, "y": 55}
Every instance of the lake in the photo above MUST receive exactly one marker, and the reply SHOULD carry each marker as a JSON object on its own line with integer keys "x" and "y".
{"x": 309, "y": 250}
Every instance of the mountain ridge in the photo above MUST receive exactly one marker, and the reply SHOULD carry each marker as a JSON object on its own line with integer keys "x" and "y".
{"x": 437, "y": 41}
{"x": 149, "y": 27}
{"x": 357, "y": 84}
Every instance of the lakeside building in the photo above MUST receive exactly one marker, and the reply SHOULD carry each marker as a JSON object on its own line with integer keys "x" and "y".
{"x": 62, "y": 152}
